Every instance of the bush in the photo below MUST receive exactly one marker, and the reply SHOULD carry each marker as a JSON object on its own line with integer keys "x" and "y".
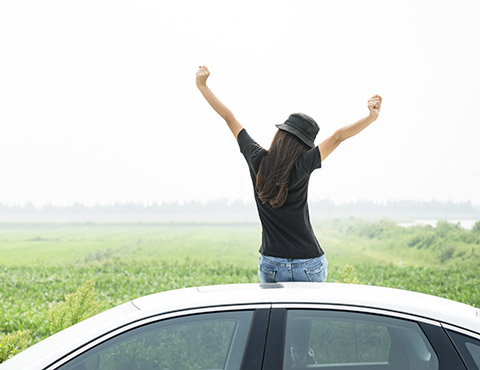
{"x": 77, "y": 307}
{"x": 422, "y": 240}
{"x": 349, "y": 275}
{"x": 447, "y": 254}
{"x": 13, "y": 343}
{"x": 476, "y": 227}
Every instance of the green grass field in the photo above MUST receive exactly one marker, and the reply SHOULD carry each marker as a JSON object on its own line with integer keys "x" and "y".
{"x": 41, "y": 263}
{"x": 345, "y": 242}
{"x": 53, "y": 244}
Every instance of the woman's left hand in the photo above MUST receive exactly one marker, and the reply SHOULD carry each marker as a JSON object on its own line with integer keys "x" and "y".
{"x": 202, "y": 76}
{"x": 374, "y": 104}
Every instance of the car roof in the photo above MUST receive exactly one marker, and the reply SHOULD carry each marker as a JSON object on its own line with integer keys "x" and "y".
{"x": 352, "y": 295}
{"x": 331, "y": 295}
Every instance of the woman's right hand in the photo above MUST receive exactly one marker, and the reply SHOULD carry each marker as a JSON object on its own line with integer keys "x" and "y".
{"x": 374, "y": 105}
{"x": 202, "y": 76}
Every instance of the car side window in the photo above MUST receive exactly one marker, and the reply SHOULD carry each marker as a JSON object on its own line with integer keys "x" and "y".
{"x": 469, "y": 348}
{"x": 205, "y": 341}
{"x": 341, "y": 340}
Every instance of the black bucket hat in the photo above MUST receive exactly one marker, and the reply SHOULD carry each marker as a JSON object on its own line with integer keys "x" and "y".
{"x": 302, "y": 126}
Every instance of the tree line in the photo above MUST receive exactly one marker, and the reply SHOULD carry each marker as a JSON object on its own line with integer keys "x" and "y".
{"x": 230, "y": 211}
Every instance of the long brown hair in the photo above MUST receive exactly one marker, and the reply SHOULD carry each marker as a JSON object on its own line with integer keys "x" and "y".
{"x": 275, "y": 169}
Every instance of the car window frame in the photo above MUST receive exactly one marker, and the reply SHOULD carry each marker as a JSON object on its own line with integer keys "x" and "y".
{"x": 447, "y": 355}
{"x": 461, "y": 347}
{"x": 259, "y": 325}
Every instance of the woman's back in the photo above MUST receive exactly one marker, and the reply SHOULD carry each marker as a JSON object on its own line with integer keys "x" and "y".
{"x": 287, "y": 231}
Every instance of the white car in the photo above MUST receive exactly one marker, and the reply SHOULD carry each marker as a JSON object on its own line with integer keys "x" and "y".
{"x": 323, "y": 326}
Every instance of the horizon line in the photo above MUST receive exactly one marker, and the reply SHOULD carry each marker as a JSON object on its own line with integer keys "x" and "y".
{"x": 229, "y": 202}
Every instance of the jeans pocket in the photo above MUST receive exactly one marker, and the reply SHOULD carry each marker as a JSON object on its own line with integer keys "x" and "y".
{"x": 266, "y": 274}
{"x": 317, "y": 272}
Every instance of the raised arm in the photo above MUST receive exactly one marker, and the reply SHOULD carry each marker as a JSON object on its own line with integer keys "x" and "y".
{"x": 329, "y": 144}
{"x": 215, "y": 103}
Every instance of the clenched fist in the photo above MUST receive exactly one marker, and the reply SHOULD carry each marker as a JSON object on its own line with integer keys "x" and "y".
{"x": 202, "y": 75}
{"x": 374, "y": 104}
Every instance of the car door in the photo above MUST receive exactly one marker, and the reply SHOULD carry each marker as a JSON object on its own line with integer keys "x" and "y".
{"x": 226, "y": 338}
{"x": 347, "y": 338}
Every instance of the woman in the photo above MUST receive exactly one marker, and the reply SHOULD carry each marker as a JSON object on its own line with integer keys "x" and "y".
{"x": 280, "y": 176}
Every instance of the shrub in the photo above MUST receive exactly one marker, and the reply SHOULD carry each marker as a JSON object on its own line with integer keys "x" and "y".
{"x": 13, "y": 343}
{"x": 416, "y": 240}
{"x": 349, "y": 275}
{"x": 422, "y": 240}
{"x": 447, "y": 254}
{"x": 77, "y": 307}
{"x": 476, "y": 227}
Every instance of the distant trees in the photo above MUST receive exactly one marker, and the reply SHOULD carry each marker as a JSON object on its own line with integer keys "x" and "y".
{"x": 224, "y": 210}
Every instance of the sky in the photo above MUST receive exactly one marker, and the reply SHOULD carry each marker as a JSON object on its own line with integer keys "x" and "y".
{"x": 98, "y": 102}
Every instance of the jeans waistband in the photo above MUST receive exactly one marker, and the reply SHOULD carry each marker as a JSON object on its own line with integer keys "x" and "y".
{"x": 291, "y": 261}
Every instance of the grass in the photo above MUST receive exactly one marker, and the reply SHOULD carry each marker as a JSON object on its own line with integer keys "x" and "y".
{"x": 53, "y": 244}
{"x": 41, "y": 265}
{"x": 345, "y": 242}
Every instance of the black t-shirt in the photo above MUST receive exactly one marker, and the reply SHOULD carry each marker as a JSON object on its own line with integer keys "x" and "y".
{"x": 286, "y": 231}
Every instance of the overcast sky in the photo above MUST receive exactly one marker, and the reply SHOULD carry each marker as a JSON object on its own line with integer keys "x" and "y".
{"x": 98, "y": 102}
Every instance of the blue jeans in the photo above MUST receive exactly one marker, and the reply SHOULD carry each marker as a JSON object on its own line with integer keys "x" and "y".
{"x": 276, "y": 270}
